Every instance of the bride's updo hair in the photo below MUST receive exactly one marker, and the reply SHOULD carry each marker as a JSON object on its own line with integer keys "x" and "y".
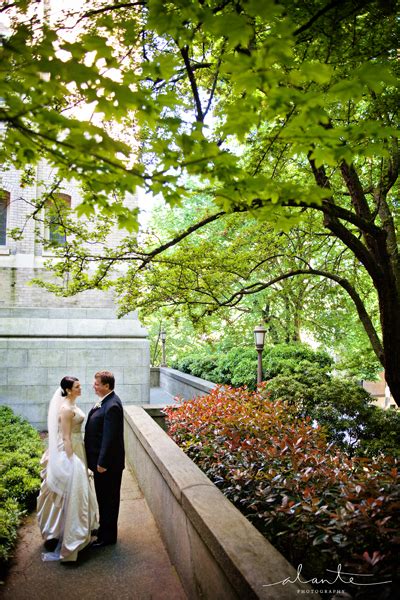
{"x": 66, "y": 383}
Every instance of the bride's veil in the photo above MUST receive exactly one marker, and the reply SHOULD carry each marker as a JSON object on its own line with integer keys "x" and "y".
{"x": 59, "y": 467}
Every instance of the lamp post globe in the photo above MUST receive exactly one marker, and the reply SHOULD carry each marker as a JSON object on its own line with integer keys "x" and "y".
{"x": 259, "y": 340}
{"x": 163, "y": 336}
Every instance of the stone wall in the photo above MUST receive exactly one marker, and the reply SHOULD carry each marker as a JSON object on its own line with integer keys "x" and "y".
{"x": 184, "y": 385}
{"x": 217, "y": 553}
{"x": 44, "y": 337}
{"x": 154, "y": 377}
{"x": 17, "y": 291}
{"x": 40, "y": 346}
{"x": 21, "y": 205}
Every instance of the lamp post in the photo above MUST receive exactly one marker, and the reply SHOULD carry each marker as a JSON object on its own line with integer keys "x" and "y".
{"x": 163, "y": 335}
{"x": 259, "y": 339}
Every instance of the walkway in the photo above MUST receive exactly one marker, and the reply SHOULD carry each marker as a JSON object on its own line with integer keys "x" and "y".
{"x": 137, "y": 568}
{"x": 160, "y": 396}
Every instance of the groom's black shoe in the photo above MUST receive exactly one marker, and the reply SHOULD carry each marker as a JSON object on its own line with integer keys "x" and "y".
{"x": 101, "y": 543}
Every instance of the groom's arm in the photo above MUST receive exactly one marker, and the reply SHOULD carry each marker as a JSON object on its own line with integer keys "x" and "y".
{"x": 112, "y": 430}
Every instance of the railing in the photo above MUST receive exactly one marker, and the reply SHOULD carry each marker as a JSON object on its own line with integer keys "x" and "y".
{"x": 215, "y": 550}
{"x": 180, "y": 384}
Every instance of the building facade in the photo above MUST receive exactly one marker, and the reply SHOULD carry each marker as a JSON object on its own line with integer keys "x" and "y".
{"x": 44, "y": 337}
{"x": 24, "y": 258}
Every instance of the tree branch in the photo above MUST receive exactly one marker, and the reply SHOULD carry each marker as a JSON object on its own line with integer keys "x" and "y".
{"x": 333, "y": 213}
{"x": 317, "y": 15}
{"x": 356, "y": 246}
{"x": 325, "y": 9}
{"x": 344, "y": 283}
{"x": 214, "y": 85}
{"x": 30, "y": 133}
{"x": 185, "y": 55}
{"x": 356, "y": 191}
{"x": 329, "y": 207}
{"x": 180, "y": 237}
{"x": 99, "y": 11}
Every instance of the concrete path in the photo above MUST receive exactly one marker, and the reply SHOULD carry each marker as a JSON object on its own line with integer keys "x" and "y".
{"x": 137, "y": 568}
{"x": 160, "y": 396}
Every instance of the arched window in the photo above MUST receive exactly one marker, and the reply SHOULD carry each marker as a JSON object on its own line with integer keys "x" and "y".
{"x": 4, "y": 204}
{"x": 56, "y": 214}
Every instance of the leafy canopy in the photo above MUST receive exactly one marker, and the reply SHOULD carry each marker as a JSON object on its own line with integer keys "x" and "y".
{"x": 278, "y": 110}
{"x": 193, "y": 80}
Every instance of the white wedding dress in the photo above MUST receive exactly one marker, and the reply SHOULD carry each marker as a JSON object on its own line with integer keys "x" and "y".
{"x": 72, "y": 516}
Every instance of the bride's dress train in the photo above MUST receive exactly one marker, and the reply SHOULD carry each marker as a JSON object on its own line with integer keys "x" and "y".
{"x": 70, "y": 517}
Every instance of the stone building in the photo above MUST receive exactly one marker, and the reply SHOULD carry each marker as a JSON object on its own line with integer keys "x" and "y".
{"x": 23, "y": 259}
{"x": 44, "y": 337}
{"x": 380, "y": 392}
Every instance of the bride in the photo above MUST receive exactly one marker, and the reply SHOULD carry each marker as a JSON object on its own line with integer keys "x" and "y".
{"x": 66, "y": 506}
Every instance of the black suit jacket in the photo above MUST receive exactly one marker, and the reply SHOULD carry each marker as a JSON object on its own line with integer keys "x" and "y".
{"x": 104, "y": 435}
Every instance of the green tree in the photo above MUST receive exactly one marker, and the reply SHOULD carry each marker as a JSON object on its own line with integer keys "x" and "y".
{"x": 304, "y": 107}
{"x": 207, "y": 273}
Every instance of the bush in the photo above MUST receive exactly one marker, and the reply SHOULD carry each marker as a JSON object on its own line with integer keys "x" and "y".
{"x": 238, "y": 366}
{"x": 381, "y": 433}
{"x": 319, "y": 507}
{"x": 10, "y": 516}
{"x": 301, "y": 376}
{"x": 20, "y": 451}
{"x": 343, "y": 408}
{"x": 295, "y": 357}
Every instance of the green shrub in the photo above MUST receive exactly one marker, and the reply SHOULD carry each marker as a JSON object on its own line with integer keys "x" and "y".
{"x": 301, "y": 376}
{"x": 318, "y": 506}
{"x": 10, "y": 515}
{"x": 23, "y": 487}
{"x": 20, "y": 451}
{"x": 343, "y": 408}
{"x": 238, "y": 366}
{"x": 289, "y": 358}
{"x": 203, "y": 366}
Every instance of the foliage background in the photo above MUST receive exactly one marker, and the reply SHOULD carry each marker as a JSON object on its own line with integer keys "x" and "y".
{"x": 319, "y": 507}
{"x": 20, "y": 451}
{"x": 285, "y": 115}
{"x": 224, "y": 257}
{"x": 303, "y": 378}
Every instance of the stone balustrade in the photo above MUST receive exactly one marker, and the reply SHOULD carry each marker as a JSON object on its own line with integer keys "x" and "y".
{"x": 184, "y": 385}
{"x": 217, "y": 553}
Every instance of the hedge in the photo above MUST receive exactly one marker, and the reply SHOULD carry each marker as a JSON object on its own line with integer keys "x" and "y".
{"x": 302, "y": 376}
{"x": 319, "y": 507}
{"x": 20, "y": 452}
{"x": 238, "y": 366}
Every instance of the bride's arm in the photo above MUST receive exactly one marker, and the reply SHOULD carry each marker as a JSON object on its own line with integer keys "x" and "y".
{"x": 66, "y": 415}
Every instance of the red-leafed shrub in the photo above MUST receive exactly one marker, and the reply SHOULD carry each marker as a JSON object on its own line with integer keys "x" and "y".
{"x": 319, "y": 507}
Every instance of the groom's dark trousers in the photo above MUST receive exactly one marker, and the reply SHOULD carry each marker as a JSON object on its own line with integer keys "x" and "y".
{"x": 104, "y": 443}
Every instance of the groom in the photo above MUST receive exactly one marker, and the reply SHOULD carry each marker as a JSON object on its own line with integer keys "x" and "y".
{"x": 104, "y": 443}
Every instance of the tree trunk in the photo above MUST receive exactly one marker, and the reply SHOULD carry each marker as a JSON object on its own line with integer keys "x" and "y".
{"x": 389, "y": 305}
{"x": 379, "y": 255}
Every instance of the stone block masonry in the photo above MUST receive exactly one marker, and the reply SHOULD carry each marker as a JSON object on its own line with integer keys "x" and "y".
{"x": 44, "y": 337}
{"x": 16, "y": 290}
{"x": 40, "y": 346}
{"x": 217, "y": 553}
{"x": 22, "y": 202}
